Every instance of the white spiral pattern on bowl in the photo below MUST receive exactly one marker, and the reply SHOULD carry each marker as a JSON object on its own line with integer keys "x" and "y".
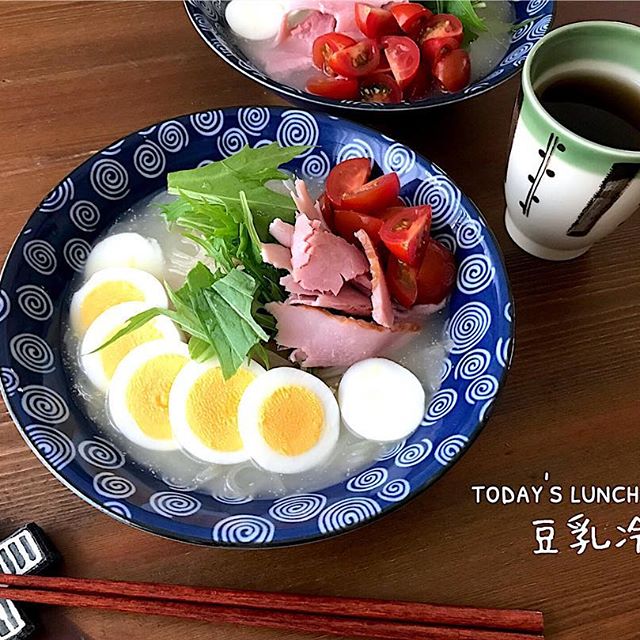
{"x": 174, "y": 505}
{"x": 35, "y": 302}
{"x": 475, "y": 273}
{"x": 442, "y": 402}
{"x": 518, "y": 55}
{"x": 41, "y": 256}
{"x": 507, "y": 312}
{"x": 298, "y": 128}
{"x": 253, "y": 119}
{"x": 482, "y": 415}
{"x": 44, "y": 404}
{"x": 109, "y": 179}
{"x": 447, "y": 240}
{"x": 110, "y": 485}
{"x": 482, "y": 388}
{"x": 521, "y": 31}
{"x": 540, "y": 28}
{"x": 118, "y": 508}
{"x": 502, "y": 351}
{"x": 442, "y": 196}
{"x": 85, "y": 215}
{"x": 100, "y": 453}
{"x": 204, "y": 163}
{"x": 9, "y": 379}
{"x": 399, "y": 158}
{"x": 449, "y": 448}
{"x": 468, "y": 326}
{"x": 115, "y": 148}
{"x": 395, "y": 491}
{"x": 445, "y": 369}
{"x": 231, "y": 499}
{"x": 367, "y": 480}
{"x": 298, "y": 508}
{"x": 357, "y": 148}
{"x": 55, "y": 446}
{"x": 231, "y": 141}
{"x": 262, "y": 143}
{"x": 347, "y": 513}
{"x": 32, "y": 352}
{"x": 316, "y": 166}
{"x": 207, "y": 123}
{"x": 469, "y": 234}
{"x": 472, "y": 364}
{"x": 62, "y": 194}
{"x": 75, "y": 252}
{"x": 172, "y": 136}
{"x": 149, "y": 160}
{"x": 244, "y": 529}
{"x": 534, "y": 6}
{"x": 5, "y": 305}
{"x": 392, "y": 450}
{"x": 414, "y": 454}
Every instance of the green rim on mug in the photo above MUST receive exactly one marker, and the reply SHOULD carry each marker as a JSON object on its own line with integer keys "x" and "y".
{"x": 604, "y": 43}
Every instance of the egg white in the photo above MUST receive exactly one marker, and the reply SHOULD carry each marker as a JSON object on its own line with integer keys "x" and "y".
{"x": 182, "y": 431}
{"x": 381, "y": 400}
{"x": 249, "y": 421}
{"x": 151, "y": 288}
{"x": 102, "y": 328}
{"x": 255, "y": 19}
{"x": 126, "y": 250}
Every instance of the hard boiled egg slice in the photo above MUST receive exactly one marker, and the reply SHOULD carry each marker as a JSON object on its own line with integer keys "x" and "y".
{"x": 289, "y": 420}
{"x": 126, "y": 250}
{"x": 110, "y": 287}
{"x": 203, "y": 409}
{"x": 101, "y": 365}
{"x": 139, "y": 392}
{"x": 381, "y": 400}
{"x": 255, "y": 19}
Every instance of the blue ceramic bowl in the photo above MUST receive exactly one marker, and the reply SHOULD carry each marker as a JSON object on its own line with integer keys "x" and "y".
{"x": 54, "y": 245}
{"x": 532, "y": 20}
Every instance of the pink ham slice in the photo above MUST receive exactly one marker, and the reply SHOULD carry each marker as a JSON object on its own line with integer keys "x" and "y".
{"x": 380, "y": 298}
{"x": 322, "y": 261}
{"x": 305, "y": 203}
{"x": 347, "y": 301}
{"x": 282, "y": 231}
{"x": 322, "y": 339}
{"x": 276, "y": 255}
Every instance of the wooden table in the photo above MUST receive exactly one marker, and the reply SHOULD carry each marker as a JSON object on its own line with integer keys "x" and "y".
{"x": 75, "y": 76}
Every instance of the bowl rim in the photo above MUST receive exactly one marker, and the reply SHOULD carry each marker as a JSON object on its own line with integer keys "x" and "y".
{"x": 400, "y": 107}
{"x": 388, "y": 508}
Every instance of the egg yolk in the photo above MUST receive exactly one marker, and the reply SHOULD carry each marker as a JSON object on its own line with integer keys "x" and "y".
{"x": 291, "y": 420}
{"x": 107, "y": 295}
{"x": 147, "y": 395}
{"x": 212, "y": 408}
{"x": 113, "y": 354}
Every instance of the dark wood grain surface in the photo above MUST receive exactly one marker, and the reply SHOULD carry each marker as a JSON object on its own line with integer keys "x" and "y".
{"x": 75, "y": 76}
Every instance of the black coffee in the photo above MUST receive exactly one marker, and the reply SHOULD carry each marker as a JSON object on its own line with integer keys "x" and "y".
{"x": 605, "y": 110}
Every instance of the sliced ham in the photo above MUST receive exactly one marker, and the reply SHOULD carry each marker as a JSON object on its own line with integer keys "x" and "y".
{"x": 380, "y": 298}
{"x": 282, "y": 231}
{"x": 322, "y": 339}
{"x": 276, "y": 255}
{"x": 304, "y": 202}
{"x": 291, "y": 286}
{"x": 349, "y": 300}
{"x": 322, "y": 261}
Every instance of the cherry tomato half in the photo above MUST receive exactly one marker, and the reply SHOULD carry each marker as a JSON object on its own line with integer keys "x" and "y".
{"x": 357, "y": 60}
{"x": 346, "y": 223}
{"x": 403, "y": 55}
{"x": 375, "y": 195}
{"x": 325, "y": 46}
{"x": 441, "y": 25}
{"x": 409, "y": 14}
{"x": 404, "y": 233}
{"x": 380, "y": 87}
{"x": 436, "y": 275}
{"x": 402, "y": 281}
{"x": 434, "y": 48}
{"x": 375, "y": 22}
{"x": 346, "y": 177}
{"x": 336, "y": 88}
{"x": 453, "y": 70}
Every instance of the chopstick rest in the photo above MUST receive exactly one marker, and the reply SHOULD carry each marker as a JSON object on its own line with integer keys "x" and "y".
{"x": 27, "y": 551}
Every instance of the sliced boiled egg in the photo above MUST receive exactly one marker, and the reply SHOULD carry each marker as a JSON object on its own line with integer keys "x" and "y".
{"x": 110, "y": 287}
{"x": 203, "y": 409}
{"x": 289, "y": 420}
{"x": 255, "y": 19}
{"x": 139, "y": 392}
{"x": 126, "y": 250}
{"x": 101, "y": 365}
{"x": 381, "y": 400}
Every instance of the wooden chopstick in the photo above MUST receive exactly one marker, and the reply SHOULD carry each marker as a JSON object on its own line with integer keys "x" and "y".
{"x": 142, "y": 602}
{"x": 512, "y": 620}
